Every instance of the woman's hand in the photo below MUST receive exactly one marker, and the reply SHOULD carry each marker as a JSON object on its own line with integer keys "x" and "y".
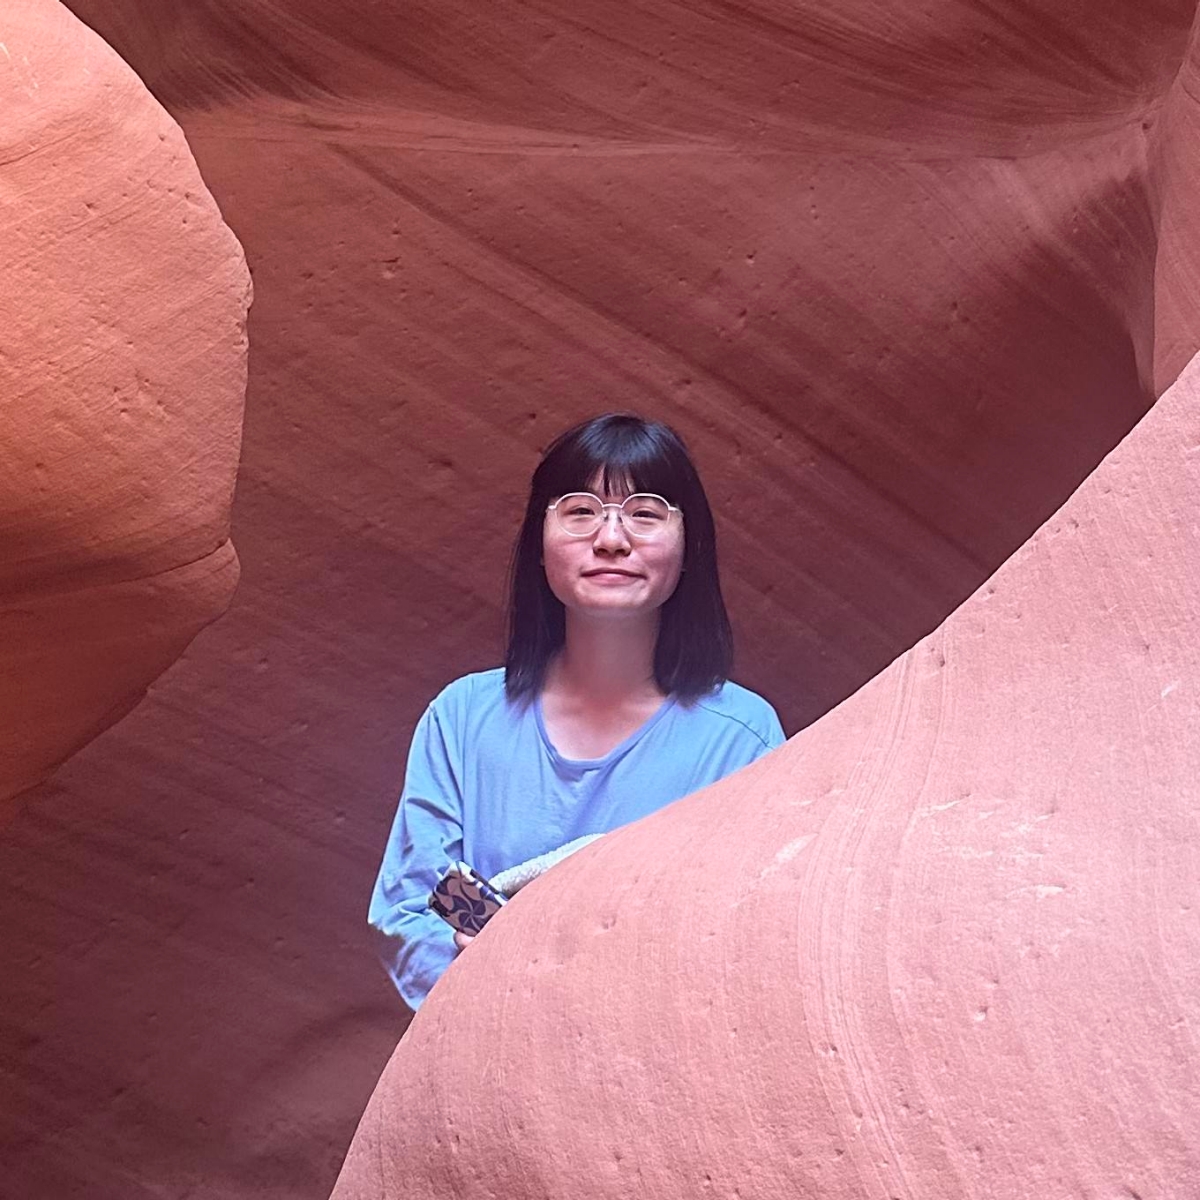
{"x": 463, "y": 940}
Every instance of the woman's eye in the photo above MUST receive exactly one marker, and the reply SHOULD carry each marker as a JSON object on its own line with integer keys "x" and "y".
{"x": 648, "y": 514}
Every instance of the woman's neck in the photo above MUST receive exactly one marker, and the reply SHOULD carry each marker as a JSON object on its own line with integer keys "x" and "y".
{"x": 609, "y": 662}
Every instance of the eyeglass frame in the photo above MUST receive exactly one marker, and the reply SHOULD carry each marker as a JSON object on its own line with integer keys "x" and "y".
{"x": 645, "y": 537}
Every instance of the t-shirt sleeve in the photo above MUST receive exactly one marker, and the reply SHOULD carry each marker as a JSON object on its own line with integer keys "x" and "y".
{"x": 416, "y": 945}
{"x": 761, "y": 734}
{"x": 761, "y": 731}
{"x": 774, "y": 730}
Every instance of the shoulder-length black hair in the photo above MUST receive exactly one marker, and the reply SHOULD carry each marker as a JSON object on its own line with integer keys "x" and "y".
{"x": 695, "y": 642}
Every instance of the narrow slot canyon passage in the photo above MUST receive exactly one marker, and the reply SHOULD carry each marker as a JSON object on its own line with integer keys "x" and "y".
{"x": 902, "y": 282}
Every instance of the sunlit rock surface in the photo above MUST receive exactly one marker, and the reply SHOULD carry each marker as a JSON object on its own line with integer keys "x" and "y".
{"x": 122, "y": 363}
{"x": 902, "y": 279}
{"x": 944, "y": 943}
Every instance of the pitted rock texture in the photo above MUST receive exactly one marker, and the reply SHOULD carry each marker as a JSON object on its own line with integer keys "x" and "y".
{"x": 895, "y": 280}
{"x": 902, "y": 278}
{"x": 950, "y": 942}
{"x": 122, "y": 361}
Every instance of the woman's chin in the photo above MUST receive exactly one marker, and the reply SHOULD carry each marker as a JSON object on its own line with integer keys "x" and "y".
{"x": 614, "y": 608}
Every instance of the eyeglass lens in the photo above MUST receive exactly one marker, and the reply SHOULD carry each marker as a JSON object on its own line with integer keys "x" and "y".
{"x": 643, "y": 515}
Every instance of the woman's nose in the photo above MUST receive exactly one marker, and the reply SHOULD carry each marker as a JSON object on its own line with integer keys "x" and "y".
{"x": 611, "y": 535}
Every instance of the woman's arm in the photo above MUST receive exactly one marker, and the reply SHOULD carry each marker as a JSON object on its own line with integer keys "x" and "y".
{"x": 415, "y": 944}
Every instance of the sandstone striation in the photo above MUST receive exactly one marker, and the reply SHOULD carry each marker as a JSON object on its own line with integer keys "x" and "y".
{"x": 944, "y": 943}
{"x": 123, "y": 359}
{"x": 903, "y": 277}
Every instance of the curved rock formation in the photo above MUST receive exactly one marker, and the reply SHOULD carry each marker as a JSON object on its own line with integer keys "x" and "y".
{"x": 122, "y": 356}
{"x": 892, "y": 278}
{"x": 903, "y": 276}
{"x": 944, "y": 943}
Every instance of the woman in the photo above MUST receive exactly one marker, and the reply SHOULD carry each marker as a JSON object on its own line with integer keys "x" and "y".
{"x": 613, "y": 700}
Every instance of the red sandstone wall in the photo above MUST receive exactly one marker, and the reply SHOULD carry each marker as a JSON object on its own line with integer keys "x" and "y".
{"x": 897, "y": 280}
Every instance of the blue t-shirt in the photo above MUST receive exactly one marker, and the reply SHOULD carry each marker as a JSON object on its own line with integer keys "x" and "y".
{"x": 485, "y": 785}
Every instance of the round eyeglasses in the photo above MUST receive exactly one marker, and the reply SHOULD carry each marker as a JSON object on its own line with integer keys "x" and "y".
{"x": 643, "y": 515}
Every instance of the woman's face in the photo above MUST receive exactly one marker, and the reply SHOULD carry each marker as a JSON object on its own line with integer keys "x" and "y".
{"x": 612, "y": 574}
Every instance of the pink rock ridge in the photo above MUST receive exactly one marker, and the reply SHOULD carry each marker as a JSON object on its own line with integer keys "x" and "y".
{"x": 944, "y": 943}
{"x": 123, "y": 362}
{"x": 902, "y": 277}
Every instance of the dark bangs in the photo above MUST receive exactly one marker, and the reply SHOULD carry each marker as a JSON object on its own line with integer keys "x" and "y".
{"x": 628, "y": 454}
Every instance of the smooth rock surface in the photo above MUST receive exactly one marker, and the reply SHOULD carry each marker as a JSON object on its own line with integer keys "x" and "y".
{"x": 951, "y": 942}
{"x": 902, "y": 278}
{"x": 122, "y": 362}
